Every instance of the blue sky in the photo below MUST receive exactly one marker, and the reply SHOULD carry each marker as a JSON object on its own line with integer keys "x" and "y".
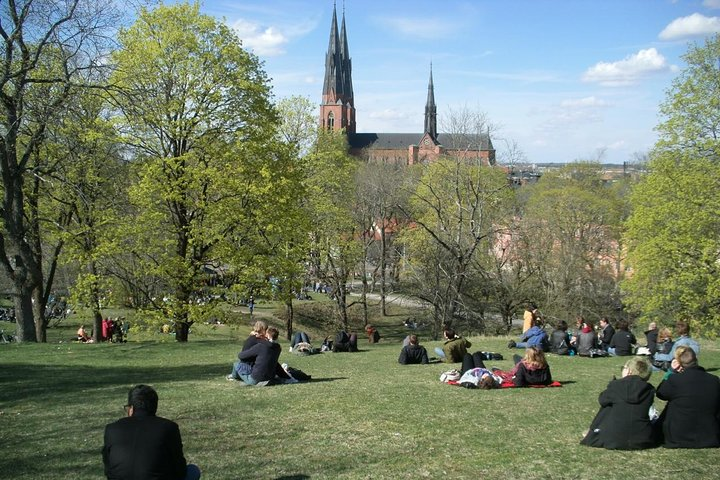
{"x": 564, "y": 80}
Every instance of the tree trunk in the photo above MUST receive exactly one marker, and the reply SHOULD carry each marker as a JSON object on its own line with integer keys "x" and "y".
{"x": 25, "y": 327}
{"x": 182, "y": 331}
{"x": 38, "y": 310}
{"x": 290, "y": 315}
{"x": 383, "y": 276}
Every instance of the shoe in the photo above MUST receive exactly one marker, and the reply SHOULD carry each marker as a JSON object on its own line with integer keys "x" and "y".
{"x": 511, "y": 344}
{"x": 230, "y": 378}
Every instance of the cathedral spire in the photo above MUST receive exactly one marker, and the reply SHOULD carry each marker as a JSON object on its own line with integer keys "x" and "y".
{"x": 338, "y": 106}
{"x": 431, "y": 110}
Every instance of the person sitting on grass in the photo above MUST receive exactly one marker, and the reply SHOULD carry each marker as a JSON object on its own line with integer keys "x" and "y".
{"x": 532, "y": 369}
{"x": 559, "y": 339}
{"x": 682, "y": 330}
{"x": 264, "y": 357}
{"x": 143, "y": 445}
{"x": 691, "y": 418}
{"x": 623, "y": 422}
{"x": 345, "y": 342}
{"x": 623, "y": 341}
{"x": 257, "y": 335}
{"x": 454, "y": 348}
{"x": 586, "y": 340}
{"x": 413, "y": 353}
{"x": 534, "y": 337}
{"x": 82, "y": 335}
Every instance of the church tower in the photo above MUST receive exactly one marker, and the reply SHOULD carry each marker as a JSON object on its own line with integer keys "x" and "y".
{"x": 431, "y": 111}
{"x": 337, "y": 110}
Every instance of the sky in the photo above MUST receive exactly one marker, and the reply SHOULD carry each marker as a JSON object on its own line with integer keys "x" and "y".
{"x": 562, "y": 80}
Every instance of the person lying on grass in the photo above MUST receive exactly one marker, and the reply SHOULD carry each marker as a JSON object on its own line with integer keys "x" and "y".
{"x": 623, "y": 421}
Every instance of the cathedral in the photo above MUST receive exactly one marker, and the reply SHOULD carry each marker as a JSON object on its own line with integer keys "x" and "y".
{"x": 337, "y": 112}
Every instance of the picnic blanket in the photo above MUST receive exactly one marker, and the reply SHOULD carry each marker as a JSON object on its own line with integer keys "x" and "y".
{"x": 509, "y": 384}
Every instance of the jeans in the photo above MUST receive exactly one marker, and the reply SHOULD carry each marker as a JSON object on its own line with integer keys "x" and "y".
{"x": 521, "y": 345}
{"x": 439, "y": 352}
{"x": 299, "y": 337}
{"x": 245, "y": 377}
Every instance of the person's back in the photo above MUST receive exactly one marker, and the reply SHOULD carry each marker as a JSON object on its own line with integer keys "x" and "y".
{"x": 692, "y": 414}
{"x": 587, "y": 340}
{"x": 413, "y": 353}
{"x": 623, "y": 421}
{"x": 533, "y": 369}
{"x": 265, "y": 355}
{"x": 535, "y": 337}
{"x": 623, "y": 341}
{"x": 455, "y": 349}
{"x": 144, "y": 446}
{"x": 559, "y": 341}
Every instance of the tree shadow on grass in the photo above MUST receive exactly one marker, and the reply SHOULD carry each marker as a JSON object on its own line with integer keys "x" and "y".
{"x": 299, "y": 476}
{"x": 61, "y": 383}
{"x": 328, "y": 379}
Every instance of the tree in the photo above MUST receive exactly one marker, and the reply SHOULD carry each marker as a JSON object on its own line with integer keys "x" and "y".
{"x": 197, "y": 114}
{"x": 458, "y": 208}
{"x": 46, "y": 45}
{"x": 571, "y": 234}
{"x": 674, "y": 230}
{"x": 335, "y": 250}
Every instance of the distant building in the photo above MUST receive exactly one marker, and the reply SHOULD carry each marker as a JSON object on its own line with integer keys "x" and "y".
{"x": 337, "y": 113}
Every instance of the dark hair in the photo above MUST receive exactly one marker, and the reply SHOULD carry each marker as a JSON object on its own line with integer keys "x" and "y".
{"x": 623, "y": 325}
{"x": 413, "y": 339}
{"x": 449, "y": 333}
{"x": 562, "y": 325}
{"x": 487, "y": 383}
{"x": 688, "y": 358}
{"x": 682, "y": 328}
{"x": 143, "y": 397}
{"x": 273, "y": 333}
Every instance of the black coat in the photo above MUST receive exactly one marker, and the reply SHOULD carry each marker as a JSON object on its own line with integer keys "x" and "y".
{"x": 143, "y": 447}
{"x": 623, "y": 422}
{"x": 264, "y": 358}
{"x": 692, "y": 415}
{"x": 606, "y": 335}
{"x": 623, "y": 341}
{"x": 412, "y": 354}
{"x": 651, "y": 338}
{"x": 559, "y": 342}
{"x": 525, "y": 376}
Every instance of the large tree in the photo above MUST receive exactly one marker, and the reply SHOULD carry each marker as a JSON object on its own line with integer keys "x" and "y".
{"x": 197, "y": 112}
{"x": 48, "y": 50}
{"x": 457, "y": 210}
{"x": 674, "y": 231}
{"x": 571, "y": 239}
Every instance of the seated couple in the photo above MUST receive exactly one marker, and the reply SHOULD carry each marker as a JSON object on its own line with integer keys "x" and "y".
{"x": 661, "y": 360}
{"x": 532, "y": 369}
{"x": 257, "y": 362}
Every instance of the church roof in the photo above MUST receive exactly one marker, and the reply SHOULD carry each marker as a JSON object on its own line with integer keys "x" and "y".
{"x": 396, "y": 141}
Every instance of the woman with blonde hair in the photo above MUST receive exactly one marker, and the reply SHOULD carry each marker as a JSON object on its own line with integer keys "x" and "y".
{"x": 532, "y": 369}
{"x": 623, "y": 422}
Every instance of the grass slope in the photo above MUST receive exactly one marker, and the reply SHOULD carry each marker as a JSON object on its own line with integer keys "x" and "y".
{"x": 362, "y": 416}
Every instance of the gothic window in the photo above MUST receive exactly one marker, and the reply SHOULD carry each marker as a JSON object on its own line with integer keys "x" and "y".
{"x": 331, "y": 121}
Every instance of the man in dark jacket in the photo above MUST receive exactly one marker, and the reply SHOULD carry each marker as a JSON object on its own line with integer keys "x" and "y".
{"x": 606, "y": 333}
{"x": 413, "y": 352}
{"x": 692, "y": 413}
{"x": 623, "y": 422}
{"x": 144, "y": 446}
{"x": 264, "y": 356}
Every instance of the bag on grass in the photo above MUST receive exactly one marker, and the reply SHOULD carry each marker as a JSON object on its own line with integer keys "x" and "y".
{"x": 450, "y": 376}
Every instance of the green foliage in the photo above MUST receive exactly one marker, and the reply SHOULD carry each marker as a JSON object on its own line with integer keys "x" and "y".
{"x": 458, "y": 209}
{"x": 673, "y": 232}
{"x": 571, "y": 239}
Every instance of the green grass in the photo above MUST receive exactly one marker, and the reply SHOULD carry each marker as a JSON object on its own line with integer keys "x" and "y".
{"x": 362, "y": 416}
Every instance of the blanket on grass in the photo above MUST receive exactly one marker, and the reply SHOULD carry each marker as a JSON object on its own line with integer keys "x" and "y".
{"x": 509, "y": 384}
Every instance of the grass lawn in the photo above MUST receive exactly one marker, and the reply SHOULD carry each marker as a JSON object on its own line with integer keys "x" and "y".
{"x": 362, "y": 416}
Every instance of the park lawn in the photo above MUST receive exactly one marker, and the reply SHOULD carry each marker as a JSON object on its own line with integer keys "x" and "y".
{"x": 362, "y": 416}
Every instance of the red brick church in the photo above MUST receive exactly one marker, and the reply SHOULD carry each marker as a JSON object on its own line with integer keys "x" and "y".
{"x": 337, "y": 112}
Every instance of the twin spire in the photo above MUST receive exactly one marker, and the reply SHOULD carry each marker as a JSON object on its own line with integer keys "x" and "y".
{"x": 337, "y": 96}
